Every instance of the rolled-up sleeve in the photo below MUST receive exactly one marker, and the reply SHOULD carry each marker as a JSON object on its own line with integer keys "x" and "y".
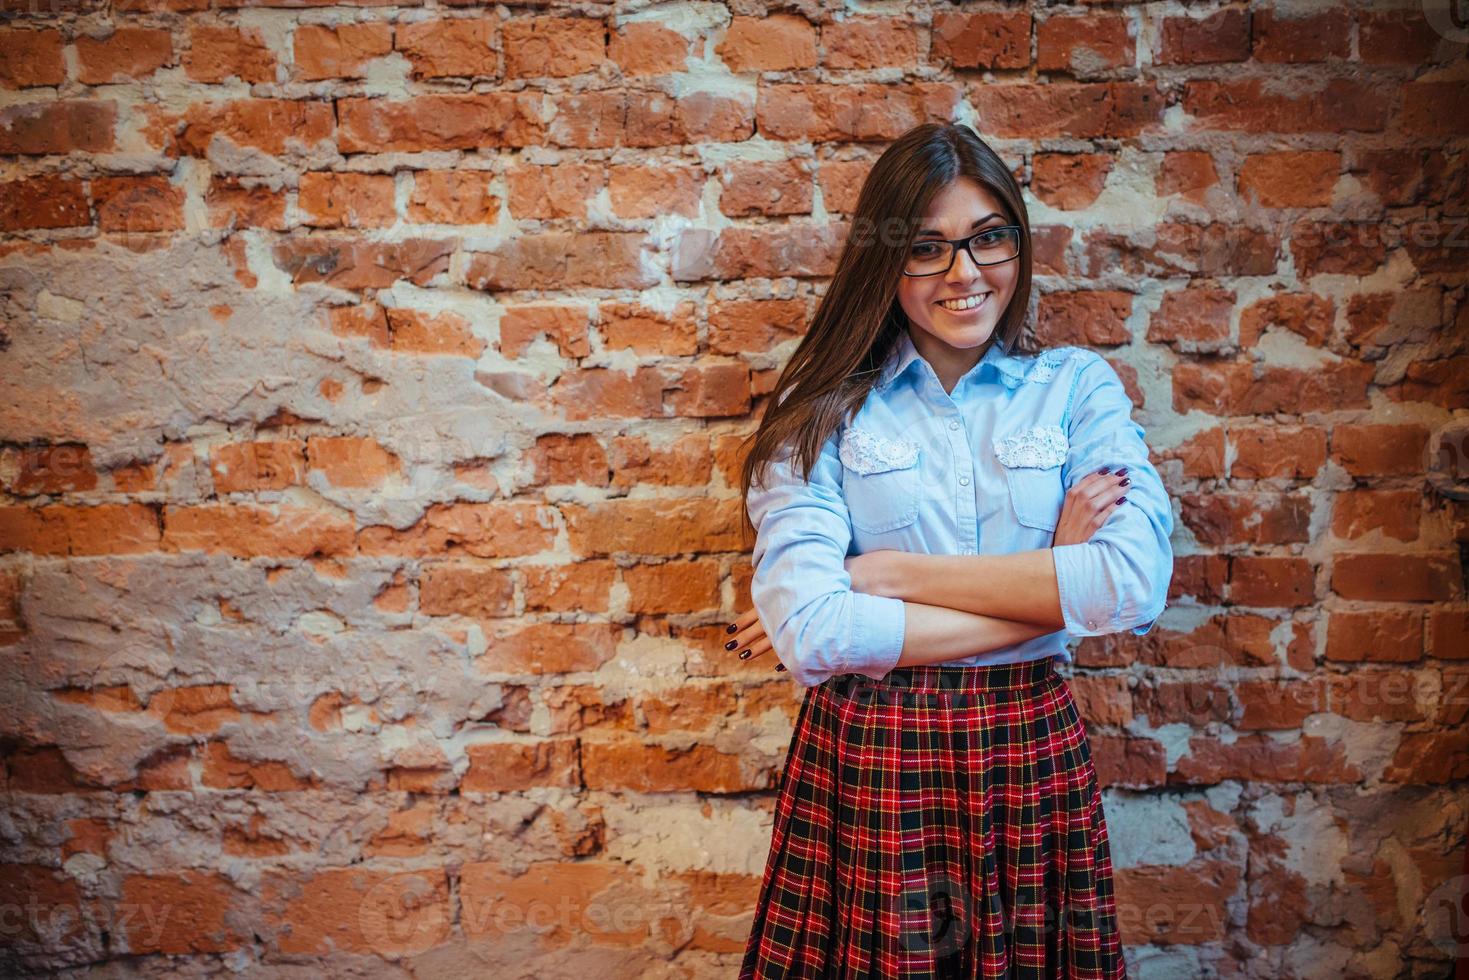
{"x": 1119, "y": 579}
{"x": 801, "y": 588}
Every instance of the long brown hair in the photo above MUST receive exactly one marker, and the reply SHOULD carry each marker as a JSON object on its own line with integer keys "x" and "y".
{"x": 859, "y": 320}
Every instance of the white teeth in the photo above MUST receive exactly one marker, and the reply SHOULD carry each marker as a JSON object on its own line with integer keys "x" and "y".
{"x": 964, "y": 304}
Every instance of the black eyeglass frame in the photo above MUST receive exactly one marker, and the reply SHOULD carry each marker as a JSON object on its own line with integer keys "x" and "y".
{"x": 958, "y": 243}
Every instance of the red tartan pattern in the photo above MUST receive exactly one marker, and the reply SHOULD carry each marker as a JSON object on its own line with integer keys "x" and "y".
{"x": 936, "y": 824}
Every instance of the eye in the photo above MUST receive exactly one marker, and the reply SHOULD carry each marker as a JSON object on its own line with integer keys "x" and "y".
{"x": 992, "y": 237}
{"x": 925, "y": 250}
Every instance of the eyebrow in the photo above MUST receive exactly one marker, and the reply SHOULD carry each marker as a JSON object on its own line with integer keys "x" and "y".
{"x": 977, "y": 223}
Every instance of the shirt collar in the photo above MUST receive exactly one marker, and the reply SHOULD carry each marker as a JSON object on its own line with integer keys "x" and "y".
{"x": 904, "y": 354}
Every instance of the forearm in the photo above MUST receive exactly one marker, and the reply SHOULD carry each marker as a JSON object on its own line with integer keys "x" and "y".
{"x": 933, "y": 634}
{"x": 1019, "y": 587}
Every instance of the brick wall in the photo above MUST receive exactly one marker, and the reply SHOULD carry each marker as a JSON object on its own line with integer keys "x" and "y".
{"x": 374, "y": 378}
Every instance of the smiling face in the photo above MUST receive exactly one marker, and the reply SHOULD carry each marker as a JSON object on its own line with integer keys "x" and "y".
{"x": 956, "y": 337}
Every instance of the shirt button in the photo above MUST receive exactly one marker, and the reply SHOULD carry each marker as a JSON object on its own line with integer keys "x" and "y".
{"x": 953, "y": 425}
{"x": 1091, "y": 624}
{"x": 963, "y": 481}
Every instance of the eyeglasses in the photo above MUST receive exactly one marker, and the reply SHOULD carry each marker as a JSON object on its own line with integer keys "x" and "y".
{"x": 989, "y": 247}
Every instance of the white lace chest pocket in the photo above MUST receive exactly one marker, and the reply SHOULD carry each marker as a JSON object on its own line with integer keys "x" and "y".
{"x": 1032, "y": 459}
{"x": 879, "y": 479}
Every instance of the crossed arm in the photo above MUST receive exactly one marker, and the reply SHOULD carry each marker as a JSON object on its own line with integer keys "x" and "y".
{"x": 960, "y": 605}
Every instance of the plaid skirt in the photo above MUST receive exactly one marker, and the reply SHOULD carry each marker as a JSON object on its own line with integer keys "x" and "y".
{"x": 942, "y": 822}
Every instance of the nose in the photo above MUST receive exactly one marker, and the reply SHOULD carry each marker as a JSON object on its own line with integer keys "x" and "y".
{"x": 964, "y": 268}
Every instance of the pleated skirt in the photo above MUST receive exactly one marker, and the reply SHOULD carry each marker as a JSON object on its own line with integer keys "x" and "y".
{"x": 943, "y": 822}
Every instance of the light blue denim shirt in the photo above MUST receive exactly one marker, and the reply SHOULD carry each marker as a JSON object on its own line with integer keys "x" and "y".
{"x": 981, "y": 470}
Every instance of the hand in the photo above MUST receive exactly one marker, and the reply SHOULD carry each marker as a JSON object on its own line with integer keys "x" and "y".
{"x": 1088, "y": 504}
{"x": 749, "y": 637}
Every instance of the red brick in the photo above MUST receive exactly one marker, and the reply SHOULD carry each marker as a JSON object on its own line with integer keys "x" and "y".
{"x": 1357, "y": 248}
{"x": 554, "y": 191}
{"x": 1189, "y": 173}
{"x": 104, "y": 529}
{"x": 747, "y": 326}
{"x": 565, "y": 326}
{"x": 502, "y": 529}
{"x": 869, "y": 42}
{"x": 43, "y": 202}
{"x": 773, "y": 188}
{"x": 779, "y": 42}
{"x": 1306, "y": 315}
{"x": 58, "y": 127}
{"x": 251, "y": 466}
{"x": 1376, "y": 636}
{"x": 1087, "y": 45}
{"x": 647, "y": 48}
{"x": 461, "y": 47}
{"x": 360, "y": 264}
{"x": 648, "y": 331}
{"x": 1069, "y": 181}
{"x": 1220, "y": 37}
{"x": 1077, "y": 110}
{"x": 1395, "y": 513}
{"x": 31, "y": 57}
{"x": 1174, "y": 249}
{"x": 1219, "y": 519}
{"x": 1290, "y": 179}
{"x": 1194, "y": 318}
{"x": 552, "y": 46}
{"x": 826, "y": 113}
{"x": 1271, "y": 582}
{"x": 1267, "y": 451}
{"x": 982, "y": 39}
{"x": 1260, "y": 758}
{"x": 1334, "y": 105}
{"x": 1288, "y": 39}
{"x": 1395, "y": 37}
{"x": 648, "y": 192}
{"x": 1380, "y": 449}
{"x": 216, "y": 54}
{"x": 453, "y": 197}
{"x": 189, "y": 913}
{"x": 439, "y": 122}
{"x": 1185, "y": 905}
{"x": 340, "y": 51}
{"x": 635, "y": 765}
{"x": 609, "y": 259}
{"x": 262, "y": 124}
{"x": 346, "y": 200}
{"x": 124, "y": 55}
{"x": 1448, "y": 634}
{"x": 233, "y": 203}
{"x": 1419, "y": 577}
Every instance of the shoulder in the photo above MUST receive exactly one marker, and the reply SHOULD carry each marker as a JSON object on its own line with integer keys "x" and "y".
{"x": 1045, "y": 366}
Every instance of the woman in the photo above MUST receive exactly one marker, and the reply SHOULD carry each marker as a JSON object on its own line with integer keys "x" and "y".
{"x": 962, "y": 504}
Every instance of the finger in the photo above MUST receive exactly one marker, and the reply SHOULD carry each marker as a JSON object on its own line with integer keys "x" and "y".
{"x": 750, "y": 632}
{"x": 756, "y": 649}
{"x": 743, "y": 620}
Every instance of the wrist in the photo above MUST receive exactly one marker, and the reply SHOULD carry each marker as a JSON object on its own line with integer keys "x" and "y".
{"x": 898, "y": 575}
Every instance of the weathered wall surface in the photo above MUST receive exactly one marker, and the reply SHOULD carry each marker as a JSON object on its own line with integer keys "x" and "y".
{"x": 373, "y": 383}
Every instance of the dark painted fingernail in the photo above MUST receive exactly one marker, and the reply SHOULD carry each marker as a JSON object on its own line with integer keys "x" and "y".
{"x": 1103, "y": 469}
{"x": 1121, "y": 499}
{"x": 1122, "y": 472}
{"x": 732, "y": 644}
{"x": 1125, "y": 482}
{"x": 780, "y": 666}
{"x": 744, "y": 654}
{"x": 730, "y": 628}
